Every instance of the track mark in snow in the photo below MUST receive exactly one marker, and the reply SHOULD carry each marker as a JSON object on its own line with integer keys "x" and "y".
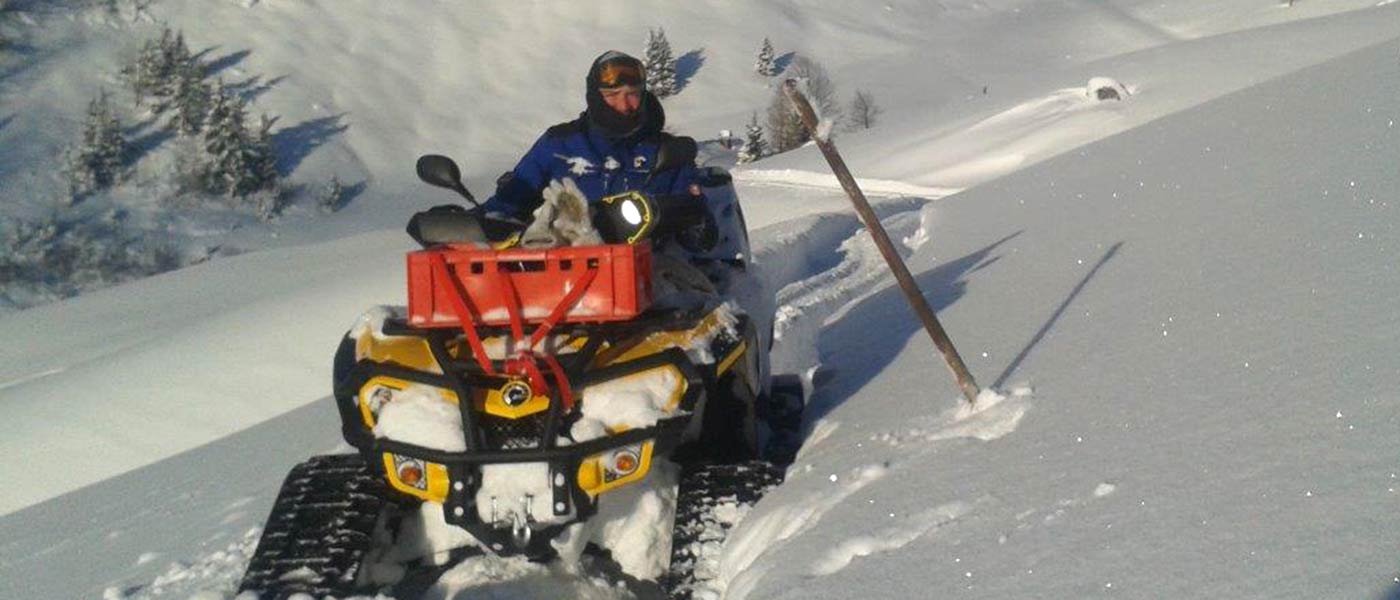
{"x": 807, "y": 179}
{"x": 806, "y": 305}
{"x": 994, "y": 416}
{"x": 29, "y": 378}
{"x": 757, "y": 536}
{"x": 890, "y": 538}
{"x": 214, "y": 575}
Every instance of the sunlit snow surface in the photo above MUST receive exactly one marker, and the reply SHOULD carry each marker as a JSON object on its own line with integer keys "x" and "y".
{"x": 1203, "y": 300}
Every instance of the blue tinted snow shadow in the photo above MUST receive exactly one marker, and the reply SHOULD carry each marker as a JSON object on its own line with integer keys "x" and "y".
{"x": 249, "y": 89}
{"x": 218, "y": 65}
{"x": 687, "y": 66}
{"x": 1055, "y": 316}
{"x": 864, "y": 341}
{"x": 295, "y": 143}
{"x": 782, "y": 62}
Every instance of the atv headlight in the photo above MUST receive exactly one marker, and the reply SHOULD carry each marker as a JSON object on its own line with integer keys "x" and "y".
{"x": 625, "y": 218}
{"x": 614, "y": 468}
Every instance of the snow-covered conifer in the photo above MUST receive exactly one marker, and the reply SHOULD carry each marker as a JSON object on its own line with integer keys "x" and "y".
{"x": 754, "y": 145}
{"x": 766, "y": 64}
{"x": 659, "y": 64}
{"x": 261, "y": 159}
{"x": 96, "y": 161}
{"x": 225, "y": 140}
{"x": 190, "y": 99}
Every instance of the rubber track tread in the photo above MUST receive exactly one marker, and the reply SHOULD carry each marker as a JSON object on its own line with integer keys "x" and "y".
{"x": 319, "y": 530}
{"x": 704, "y": 486}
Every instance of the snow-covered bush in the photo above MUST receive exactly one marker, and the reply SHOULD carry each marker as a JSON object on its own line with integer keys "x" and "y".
{"x": 52, "y": 258}
{"x": 766, "y": 63}
{"x": 1105, "y": 88}
{"x": 660, "y": 66}
{"x": 95, "y": 162}
{"x": 332, "y": 195}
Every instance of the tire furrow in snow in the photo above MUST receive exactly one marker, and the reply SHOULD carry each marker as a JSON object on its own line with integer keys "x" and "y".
{"x": 804, "y": 305}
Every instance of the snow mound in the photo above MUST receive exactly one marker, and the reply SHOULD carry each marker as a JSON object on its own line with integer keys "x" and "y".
{"x": 1106, "y": 88}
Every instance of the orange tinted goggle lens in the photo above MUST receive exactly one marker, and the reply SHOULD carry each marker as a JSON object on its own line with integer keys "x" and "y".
{"x": 619, "y": 74}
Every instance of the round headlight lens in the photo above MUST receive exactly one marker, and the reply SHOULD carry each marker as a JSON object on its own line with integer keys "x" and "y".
{"x": 631, "y": 212}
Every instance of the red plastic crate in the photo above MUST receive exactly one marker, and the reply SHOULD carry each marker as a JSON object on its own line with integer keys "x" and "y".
{"x": 540, "y": 280}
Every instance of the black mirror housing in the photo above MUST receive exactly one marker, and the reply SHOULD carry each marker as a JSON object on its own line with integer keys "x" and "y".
{"x": 441, "y": 171}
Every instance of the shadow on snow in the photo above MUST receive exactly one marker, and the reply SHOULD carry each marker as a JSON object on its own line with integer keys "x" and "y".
{"x": 861, "y": 344}
{"x": 295, "y": 143}
{"x": 1055, "y": 316}
{"x": 222, "y": 63}
{"x": 253, "y": 87}
{"x": 687, "y": 66}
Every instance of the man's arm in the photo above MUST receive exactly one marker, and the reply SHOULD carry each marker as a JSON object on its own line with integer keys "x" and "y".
{"x": 518, "y": 191}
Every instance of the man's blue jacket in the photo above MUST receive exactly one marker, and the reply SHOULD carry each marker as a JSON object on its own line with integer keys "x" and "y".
{"x": 601, "y": 166}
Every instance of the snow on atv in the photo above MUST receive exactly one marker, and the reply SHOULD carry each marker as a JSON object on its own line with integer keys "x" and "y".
{"x": 537, "y": 399}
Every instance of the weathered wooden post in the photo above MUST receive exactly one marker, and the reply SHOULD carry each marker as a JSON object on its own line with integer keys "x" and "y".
{"x": 882, "y": 241}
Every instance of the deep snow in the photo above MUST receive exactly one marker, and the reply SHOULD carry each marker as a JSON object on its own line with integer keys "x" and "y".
{"x": 1191, "y": 320}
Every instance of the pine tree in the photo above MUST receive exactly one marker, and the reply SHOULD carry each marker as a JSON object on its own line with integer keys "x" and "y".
{"x": 97, "y": 160}
{"x": 190, "y": 99}
{"x": 225, "y": 139}
{"x": 754, "y": 144}
{"x": 766, "y": 64}
{"x": 141, "y": 75}
{"x": 659, "y": 65}
{"x": 261, "y": 160}
{"x": 156, "y": 72}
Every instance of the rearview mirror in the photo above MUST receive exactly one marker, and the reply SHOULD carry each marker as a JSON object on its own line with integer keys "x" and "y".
{"x": 441, "y": 171}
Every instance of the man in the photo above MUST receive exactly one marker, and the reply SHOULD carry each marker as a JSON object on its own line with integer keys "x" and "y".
{"x": 608, "y": 149}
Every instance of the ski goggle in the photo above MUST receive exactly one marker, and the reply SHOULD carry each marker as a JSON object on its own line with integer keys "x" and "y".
{"x": 619, "y": 73}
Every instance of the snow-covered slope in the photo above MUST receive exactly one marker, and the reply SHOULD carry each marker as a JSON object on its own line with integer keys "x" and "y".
{"x": 1191, "y": 321}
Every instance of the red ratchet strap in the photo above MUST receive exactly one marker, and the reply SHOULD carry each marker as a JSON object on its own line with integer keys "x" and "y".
{"x": 463, "y": 310}
{"x": 524, "y": 363}
{"x": 564, "y": 305}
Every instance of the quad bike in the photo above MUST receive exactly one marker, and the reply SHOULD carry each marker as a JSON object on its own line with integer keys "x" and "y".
{"x": 558, "y": 381}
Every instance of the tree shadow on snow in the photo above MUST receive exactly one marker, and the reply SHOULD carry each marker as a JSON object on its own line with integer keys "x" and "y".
{"x": 867, "y": 337}
{"x": 687, "y": 66}
{"x": 1055, "y": 316}
{"x": 218, "y": 65}
{"x": 349, "y": 193}
{"x": 781, "y": 63}
{"x": 146, "y": 136}
{"x": 253, "y": 87}
{"x": 295, "y": 143}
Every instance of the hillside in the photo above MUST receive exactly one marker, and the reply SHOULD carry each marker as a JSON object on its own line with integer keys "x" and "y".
{"x": 1183, "y": 297}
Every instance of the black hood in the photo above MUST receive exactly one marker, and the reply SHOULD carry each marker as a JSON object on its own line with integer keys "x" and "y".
{"x": 650, "y": 117}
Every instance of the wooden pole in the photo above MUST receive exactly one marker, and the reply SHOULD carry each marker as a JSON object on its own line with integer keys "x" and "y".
{"x": 916, "y": 300}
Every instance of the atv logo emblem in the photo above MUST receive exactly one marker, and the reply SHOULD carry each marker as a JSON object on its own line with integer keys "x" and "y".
{"x": 516, "y": 393}
{"x": 638, "y": 162}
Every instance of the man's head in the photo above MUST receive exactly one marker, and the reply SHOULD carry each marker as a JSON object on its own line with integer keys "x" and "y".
{"x": 616, "y": 94}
